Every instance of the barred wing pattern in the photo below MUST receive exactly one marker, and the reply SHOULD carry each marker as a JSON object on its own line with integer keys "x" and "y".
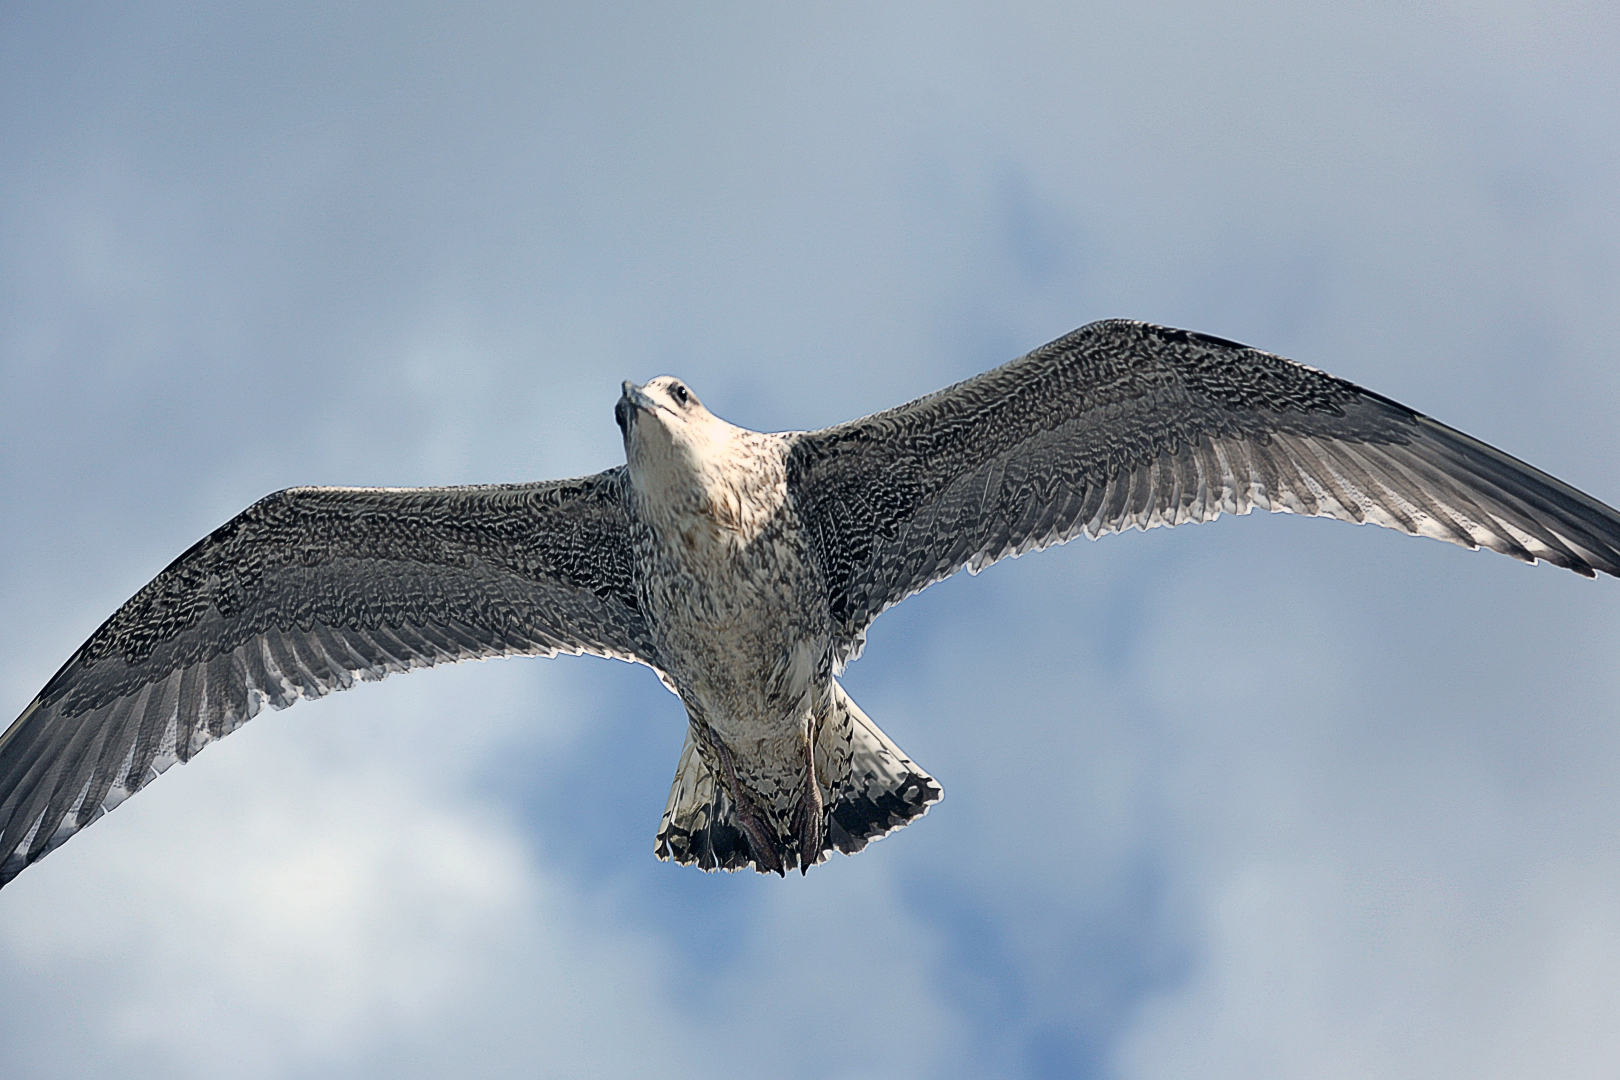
{"x": 1123, "y": 424}
{"x": 300, "y": 595}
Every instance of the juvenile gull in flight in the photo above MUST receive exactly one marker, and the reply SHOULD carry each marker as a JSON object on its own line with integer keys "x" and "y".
{"x": 744, "y": 568}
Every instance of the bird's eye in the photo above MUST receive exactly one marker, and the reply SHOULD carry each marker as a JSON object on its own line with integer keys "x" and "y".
{"x": 678, "y": 392}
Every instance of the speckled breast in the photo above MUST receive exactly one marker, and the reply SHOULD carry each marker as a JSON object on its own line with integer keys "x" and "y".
{"x": 742, "y": 625}
{"x": 740, "y": 619}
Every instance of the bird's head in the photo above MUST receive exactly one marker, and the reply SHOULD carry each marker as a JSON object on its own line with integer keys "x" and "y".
{"x": 664, "y": 411}
{"x": 670, "y": 440}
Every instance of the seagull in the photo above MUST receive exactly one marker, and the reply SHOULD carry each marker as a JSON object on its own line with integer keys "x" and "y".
{"x": 745, "y": 567}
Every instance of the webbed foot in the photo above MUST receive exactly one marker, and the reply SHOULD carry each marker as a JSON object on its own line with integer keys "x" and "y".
{"x": 809, "y": 817}
{"x": 762, "y": 842}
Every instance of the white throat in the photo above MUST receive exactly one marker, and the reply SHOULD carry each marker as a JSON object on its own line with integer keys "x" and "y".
{"x": 702, "y": 479}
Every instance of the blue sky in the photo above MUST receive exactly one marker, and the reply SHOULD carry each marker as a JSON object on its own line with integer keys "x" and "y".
{"x": 1264, "y": 798}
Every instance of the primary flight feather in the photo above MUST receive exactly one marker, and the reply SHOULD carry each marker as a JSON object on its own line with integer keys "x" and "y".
{"x": 745, "y": 568}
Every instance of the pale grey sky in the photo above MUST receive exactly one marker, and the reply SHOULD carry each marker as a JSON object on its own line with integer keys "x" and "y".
{"x": 1263, "y": 798}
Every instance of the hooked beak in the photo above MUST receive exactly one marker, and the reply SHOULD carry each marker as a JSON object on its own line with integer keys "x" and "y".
{"x": 631, "y": 401}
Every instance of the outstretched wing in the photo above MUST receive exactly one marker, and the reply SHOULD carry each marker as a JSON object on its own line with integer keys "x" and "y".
{"x": 300, "y": 595}
{"x": 1124, "y": 424}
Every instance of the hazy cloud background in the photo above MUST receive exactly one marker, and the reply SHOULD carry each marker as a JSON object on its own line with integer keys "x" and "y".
{"x": 1266, "y": 798}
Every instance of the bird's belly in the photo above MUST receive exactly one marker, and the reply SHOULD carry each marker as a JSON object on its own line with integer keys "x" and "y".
{"x": 752, "y": 675}
{"x": 745, "y": 640}
{"x": 751, "y": 694}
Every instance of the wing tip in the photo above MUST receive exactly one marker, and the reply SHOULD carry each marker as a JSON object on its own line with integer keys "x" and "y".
{"x": 10, "y": 868}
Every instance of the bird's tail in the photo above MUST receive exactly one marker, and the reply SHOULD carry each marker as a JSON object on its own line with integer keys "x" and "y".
{"x": 869, "y": 788}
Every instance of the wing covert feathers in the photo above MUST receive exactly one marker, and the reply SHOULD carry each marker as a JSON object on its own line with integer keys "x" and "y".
{"x": 1128, "y": 425}
{"x": 305, "y": 593}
